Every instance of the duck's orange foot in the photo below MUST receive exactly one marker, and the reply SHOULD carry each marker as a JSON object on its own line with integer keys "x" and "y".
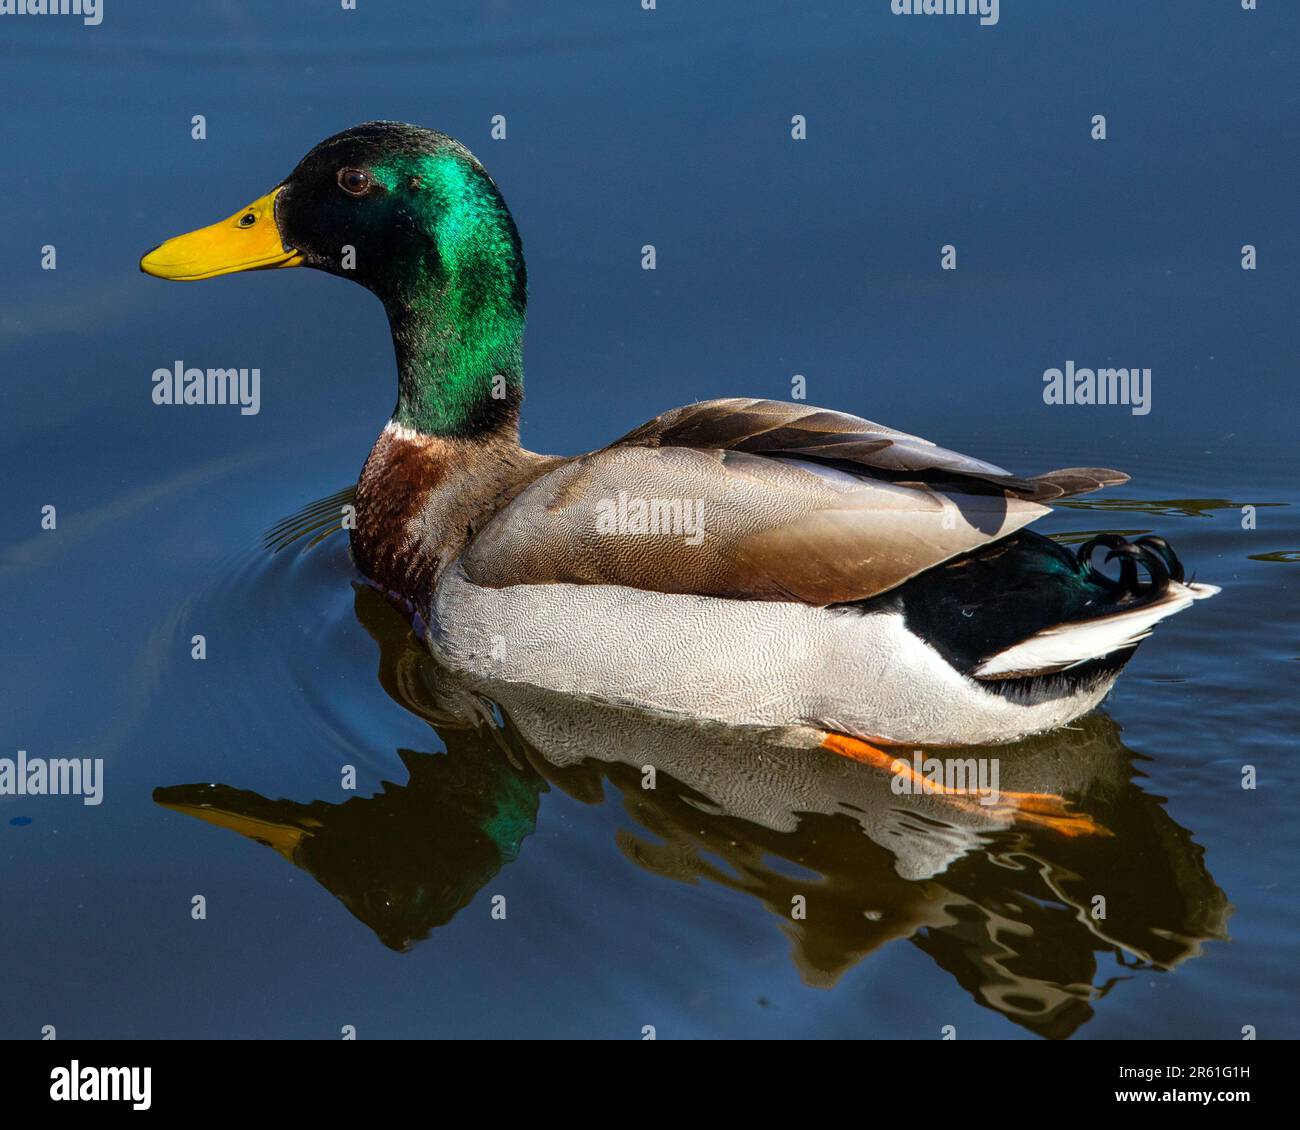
{"x": 1044, "y": 810}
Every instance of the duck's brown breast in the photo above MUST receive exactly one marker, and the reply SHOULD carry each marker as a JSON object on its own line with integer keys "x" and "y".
{"x": 420, "y": 499}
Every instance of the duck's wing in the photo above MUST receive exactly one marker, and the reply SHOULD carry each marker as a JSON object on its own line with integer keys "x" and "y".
{"x": 759, "y": 500}
{"x": 774, "y": 427}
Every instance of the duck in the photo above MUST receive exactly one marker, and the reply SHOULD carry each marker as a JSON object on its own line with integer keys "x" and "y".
{"x": 744, "y": 561}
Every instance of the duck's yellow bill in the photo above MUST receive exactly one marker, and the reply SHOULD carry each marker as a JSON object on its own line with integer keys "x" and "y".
{"x": 248, "y": 241}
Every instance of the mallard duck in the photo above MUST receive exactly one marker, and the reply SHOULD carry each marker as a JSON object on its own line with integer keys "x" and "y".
{"x": 748, "y": 561}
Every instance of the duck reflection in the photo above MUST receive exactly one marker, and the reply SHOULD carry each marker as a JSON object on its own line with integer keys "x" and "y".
{"x": 1015, "y": 906}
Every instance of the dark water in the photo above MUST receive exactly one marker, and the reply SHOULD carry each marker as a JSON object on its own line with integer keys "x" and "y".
{"x": 627, "y": 907}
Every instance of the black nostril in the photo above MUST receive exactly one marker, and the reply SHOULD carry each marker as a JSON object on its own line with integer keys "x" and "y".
{"x": 247, "y": 220}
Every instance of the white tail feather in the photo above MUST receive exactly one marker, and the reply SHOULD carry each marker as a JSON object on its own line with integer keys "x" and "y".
{"x": 1067, "y": 645}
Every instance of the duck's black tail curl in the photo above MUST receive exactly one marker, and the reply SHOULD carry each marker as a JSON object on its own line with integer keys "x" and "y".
{"x": 1152, "y": 551}
{"x": 978, "y": 606}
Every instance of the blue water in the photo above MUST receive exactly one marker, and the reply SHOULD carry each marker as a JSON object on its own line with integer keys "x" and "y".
{"x": 775, "y": 257}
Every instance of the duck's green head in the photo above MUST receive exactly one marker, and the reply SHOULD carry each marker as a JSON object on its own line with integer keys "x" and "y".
{"x": 412, "y": 216}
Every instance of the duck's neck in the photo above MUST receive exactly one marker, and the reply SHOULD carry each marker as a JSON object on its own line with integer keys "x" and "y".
{"x": 457, "y": 310}
{"x": 459, "y": 367}
{"x": 455, "y": 298}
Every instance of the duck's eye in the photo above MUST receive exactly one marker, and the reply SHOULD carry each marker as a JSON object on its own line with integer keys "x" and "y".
{"x": 354, "y": 182}
{"x": 247, "y": 220}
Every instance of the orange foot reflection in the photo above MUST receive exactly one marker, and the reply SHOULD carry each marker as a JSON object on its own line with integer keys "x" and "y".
{"x": 1045, "y": 810}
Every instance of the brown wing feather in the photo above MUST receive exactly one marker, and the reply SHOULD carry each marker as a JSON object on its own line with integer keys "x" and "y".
{"x": 796, "y": 504}
{"x": 774, "y": 427}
